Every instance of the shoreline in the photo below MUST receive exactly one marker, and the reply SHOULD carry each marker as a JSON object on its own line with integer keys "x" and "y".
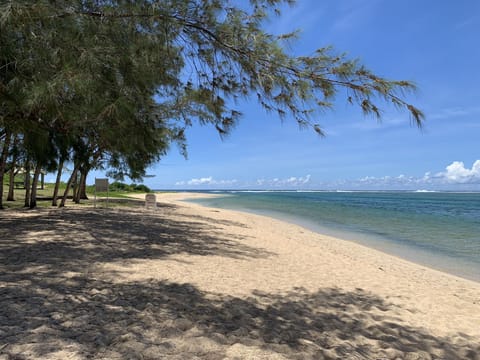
{"x": 437, "y": 262}
{"x": 406, "y": 274}
{"x": 187, "y": 281}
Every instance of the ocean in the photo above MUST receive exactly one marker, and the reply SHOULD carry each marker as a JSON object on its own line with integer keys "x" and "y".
{"x": 440, "y": 230}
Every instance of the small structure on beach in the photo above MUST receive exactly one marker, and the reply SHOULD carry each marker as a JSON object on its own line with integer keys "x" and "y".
{"x": 150, "y": 201}
{"x": 101, "y": 186}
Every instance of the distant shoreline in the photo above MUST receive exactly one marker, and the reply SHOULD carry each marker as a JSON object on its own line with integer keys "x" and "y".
{"x": 194, "y": 191}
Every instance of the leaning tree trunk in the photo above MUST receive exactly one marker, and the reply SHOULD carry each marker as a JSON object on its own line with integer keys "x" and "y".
{"x": 81, "y": 186}
{"x": 33, "y": 194}
{"x": 57, "y": 182}
{"x": 75, "y": 188}
{"x": 69, "y": 184}
{"x": 27, "y": 183}
{"x": 82, "y": 191}
{"x": 3, "y": 163}
{"x": 11, "y": 186}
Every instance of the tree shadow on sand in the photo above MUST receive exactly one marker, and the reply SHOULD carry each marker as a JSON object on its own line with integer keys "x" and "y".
{"x": 73, "y": 239}
{"x": 46, "y": 314}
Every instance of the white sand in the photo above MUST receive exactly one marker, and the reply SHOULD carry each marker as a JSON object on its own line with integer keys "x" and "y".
{"x": 185, "y": 281}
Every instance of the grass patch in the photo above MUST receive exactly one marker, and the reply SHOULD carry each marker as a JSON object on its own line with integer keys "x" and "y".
{"x": 44, "y": 197}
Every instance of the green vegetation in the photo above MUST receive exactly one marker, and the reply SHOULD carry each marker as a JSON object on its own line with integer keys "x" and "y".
{"x": 120, "y": 189}
{"x": 119, "y": 186}
{"x": 118, "y": 195}
{"x": 112, "y": 84}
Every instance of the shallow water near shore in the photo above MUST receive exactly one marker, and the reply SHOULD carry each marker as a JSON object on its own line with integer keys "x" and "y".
{"x": 440, "y": 230}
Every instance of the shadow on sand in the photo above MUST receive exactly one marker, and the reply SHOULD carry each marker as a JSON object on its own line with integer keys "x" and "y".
{"x": 46, "y": 314}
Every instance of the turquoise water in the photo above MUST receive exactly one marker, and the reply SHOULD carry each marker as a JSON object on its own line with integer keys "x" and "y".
{"x": 439, "y": 230}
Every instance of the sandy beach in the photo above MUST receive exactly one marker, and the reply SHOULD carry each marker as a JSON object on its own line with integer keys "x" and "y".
{"x": 184, "y": 281}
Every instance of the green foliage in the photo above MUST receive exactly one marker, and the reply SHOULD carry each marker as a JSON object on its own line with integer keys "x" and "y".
{"x": 141, "y": 188}
{"x": 120, "y": 187}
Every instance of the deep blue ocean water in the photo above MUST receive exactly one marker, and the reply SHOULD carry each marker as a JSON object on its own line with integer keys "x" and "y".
{"x": 437, "y": 229}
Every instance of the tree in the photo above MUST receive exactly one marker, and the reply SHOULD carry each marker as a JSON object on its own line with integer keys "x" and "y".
{"x": 3, "y": 160}
{"x": 125, "y": 79}
{"x": 13, "y": 171}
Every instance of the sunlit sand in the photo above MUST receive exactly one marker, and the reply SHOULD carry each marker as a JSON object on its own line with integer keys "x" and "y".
{"x": 184, "y": 281}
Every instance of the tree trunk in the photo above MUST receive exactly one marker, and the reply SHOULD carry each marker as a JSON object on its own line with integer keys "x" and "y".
{"x": 69, "y": 184}
{"x": 3, "y": 163}
{"x": 27, "y": 183}
{"x": 75, "y": 188}
{"x": 33, "y": 194}
{"x": 57, "y": 182}
{"x": 83, "y": 185}
{"x": 78, "y": 189}
{"x": 11, "y": 186}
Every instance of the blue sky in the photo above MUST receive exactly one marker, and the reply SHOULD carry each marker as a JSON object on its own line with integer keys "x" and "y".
{"x": 433, "y": 43}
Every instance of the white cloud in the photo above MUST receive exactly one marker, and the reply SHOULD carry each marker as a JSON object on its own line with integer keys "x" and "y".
{"x": 455, "y": 174}
{"x": 279, "y": 183}
{"x": 291, "y": 181}
{"x": 200, "y": 181}
{"x": 389, "y": 180}
{"x": 458, "y": 173}
{"x": 205, "y": 181}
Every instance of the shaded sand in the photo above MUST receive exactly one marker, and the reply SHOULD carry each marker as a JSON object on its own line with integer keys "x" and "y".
{"x": 187, "y": 282}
